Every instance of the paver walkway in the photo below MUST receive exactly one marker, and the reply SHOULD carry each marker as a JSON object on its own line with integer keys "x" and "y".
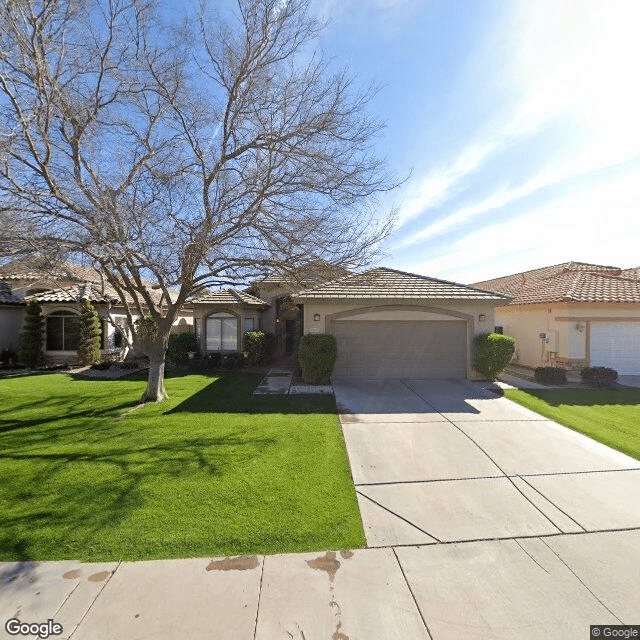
{"x": 484, "y": 521}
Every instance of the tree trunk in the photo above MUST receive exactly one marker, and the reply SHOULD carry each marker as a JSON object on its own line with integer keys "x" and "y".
{"x": 155, "y": 391}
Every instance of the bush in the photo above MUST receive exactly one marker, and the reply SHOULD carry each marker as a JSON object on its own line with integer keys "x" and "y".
{"x": 102, "y": 366}
{"x": 8, "y": 357}
{"x": 317, "y": 353}
{"x": 599, "y": 375}
{"x": 89, "y": 347}
{"x": 31, "y": 339}
{"x": 259, "y": 347}
{"x": 229, "y": 361}
{"x": 551, "y": 374}
{"x": 493, "y": 353}
{"x": 180, "y": 344}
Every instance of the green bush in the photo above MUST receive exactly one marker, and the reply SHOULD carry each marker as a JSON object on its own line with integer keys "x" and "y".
{"x": 180, "y": 344}
{"x": 493, "y": 353}
{"x": 317, "y": 354}
{"x": 551, "y": 374}
{"x": 31, "y": 339}
{"x": 599, "y": 375}
{"x": 89, "y": 346}
{"x": 8, "y": 357}
{"x": 259, "y": 347}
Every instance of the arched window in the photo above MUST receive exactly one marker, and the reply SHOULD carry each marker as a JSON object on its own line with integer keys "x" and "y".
{"x": 221, "y": 332}
{"x": 63, "y": 331}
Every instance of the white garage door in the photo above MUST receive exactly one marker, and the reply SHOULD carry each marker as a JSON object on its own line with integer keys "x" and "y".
{"x": 388, "y": 349}
{"x": 616, "y": 345}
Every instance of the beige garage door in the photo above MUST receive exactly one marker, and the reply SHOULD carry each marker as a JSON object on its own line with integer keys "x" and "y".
{"x": 401, "y": 349}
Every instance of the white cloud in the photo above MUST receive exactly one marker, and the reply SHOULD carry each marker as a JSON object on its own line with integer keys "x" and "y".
{"x": 596, "y": 225}
{"x": 571, "y": 61}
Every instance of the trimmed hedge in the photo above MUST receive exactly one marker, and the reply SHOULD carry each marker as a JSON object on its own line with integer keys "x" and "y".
{"x": 179, "y": 346}
{"x": 317, "y": 353}
{"x": 599, "y": 375}
{"x": 493, "y": 353}
{"x": 259, "y": 347}
{"x": 551, "y": 374}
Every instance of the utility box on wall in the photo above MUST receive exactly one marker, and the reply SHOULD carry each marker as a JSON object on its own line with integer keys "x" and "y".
{"x": 550, "y": 340}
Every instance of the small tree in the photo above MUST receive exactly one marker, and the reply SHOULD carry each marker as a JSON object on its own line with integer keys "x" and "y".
{"x": 31, "y": 341}
{"x": 493, "y": 353}
{"x": 90, "y": 331}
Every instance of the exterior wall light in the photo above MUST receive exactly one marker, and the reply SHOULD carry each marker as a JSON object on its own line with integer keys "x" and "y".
{"x": 316, "y": 317}
{"x": 482, "y": 317}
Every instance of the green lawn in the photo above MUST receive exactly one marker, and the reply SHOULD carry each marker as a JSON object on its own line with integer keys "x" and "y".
{"x": 611, "y": 416}
{"x": 212, "y": 471}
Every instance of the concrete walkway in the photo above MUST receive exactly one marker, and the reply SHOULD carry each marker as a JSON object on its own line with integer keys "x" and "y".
{"x": 483, "y": 520}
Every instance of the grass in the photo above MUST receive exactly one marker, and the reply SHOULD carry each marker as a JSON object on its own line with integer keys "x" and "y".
{"x": 212, "y": 471}
{"x": 611, "y": 416}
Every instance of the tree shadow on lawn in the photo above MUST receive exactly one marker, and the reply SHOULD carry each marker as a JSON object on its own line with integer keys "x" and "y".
{"x": 233, "y": 393}
{"x": 68, "y": 499}
{"x": 587, "y": 397}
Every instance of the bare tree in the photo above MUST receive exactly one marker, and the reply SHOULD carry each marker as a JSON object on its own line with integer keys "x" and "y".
{"x": 196, "y": 154}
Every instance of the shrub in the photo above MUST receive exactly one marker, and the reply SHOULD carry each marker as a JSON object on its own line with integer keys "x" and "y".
{"x": 8, "y": 357}
{"x": 493, "y": 353}
{"x": 102, "y": 366}
{"x": 317, "y": 354}
{"x": 180, "y": 344}
{"x": 89, "y": 347}
{"x": 31, "y": 339}
{"x": 259, "y": 347}
{"x": 599, "y": 375}
{"x": 551, "y": 374}
{"x": 233, "y": 360}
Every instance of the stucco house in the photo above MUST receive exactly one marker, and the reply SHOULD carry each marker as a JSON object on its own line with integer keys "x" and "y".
{"x": 572, "y": 315}
{"x": 387, "y": 323}
{"x": 393, "y": 324}
{"x": 59, "y": 292}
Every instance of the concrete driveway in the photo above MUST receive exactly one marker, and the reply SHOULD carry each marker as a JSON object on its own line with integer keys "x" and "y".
{"x": 484, "y": 521}
{"x": 541, "y": 524}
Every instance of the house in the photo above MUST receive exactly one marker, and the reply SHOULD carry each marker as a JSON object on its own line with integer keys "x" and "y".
{"x": 387, "y": 323}
{"x": 59, "y": 289}
{"x": 393, "y": 324}
{"x": 572, "y": 315}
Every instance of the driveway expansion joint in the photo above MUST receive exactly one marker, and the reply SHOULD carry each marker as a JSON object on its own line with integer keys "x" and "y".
{"x": 415, "y": 601}
{"x": 579, "y": 579}
{"x": 397, "y": 515}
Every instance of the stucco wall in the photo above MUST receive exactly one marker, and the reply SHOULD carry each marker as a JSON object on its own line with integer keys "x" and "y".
{"x": 201, "y": 312}
{"x": 571, "y": 321}
{"x": 403, "y": 310}
{"x": 11, "y": 319}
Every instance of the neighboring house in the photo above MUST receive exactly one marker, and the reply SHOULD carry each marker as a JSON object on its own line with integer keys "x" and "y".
{"x": 59, "y": 293}
{"x": 387, "y": 323}
{"x": 572, "y": 315}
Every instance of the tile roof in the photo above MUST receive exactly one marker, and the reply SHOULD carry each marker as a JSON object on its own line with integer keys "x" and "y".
{"x": 87, "y": 291}
{"x": 48, "y": 274}
{"x": 6, "y": 297}
{"x": 382, "y": 282}
{"x": 568, "y": 282}
{"x": 228, "y": 296}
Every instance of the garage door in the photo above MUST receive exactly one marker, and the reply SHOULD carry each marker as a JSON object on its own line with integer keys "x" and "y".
{"x": 616, "y": 345}
{"x": 369, "y": 349}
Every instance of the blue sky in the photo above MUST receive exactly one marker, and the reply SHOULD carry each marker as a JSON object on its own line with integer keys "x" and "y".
{"x": 519, "y": 123}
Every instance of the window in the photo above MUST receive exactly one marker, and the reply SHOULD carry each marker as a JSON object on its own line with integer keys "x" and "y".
{"x": 248, "y": 324}
{"x": 222, "y": 332}
{"x": 63, "y": 331}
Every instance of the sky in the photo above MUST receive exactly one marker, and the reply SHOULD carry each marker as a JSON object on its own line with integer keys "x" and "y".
{"x": 517, "y": 124}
